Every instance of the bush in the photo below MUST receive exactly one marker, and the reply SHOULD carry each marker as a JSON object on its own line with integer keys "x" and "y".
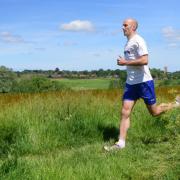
{"x": 116, "y": 83}
{"x": 169, "y": 82}
{"x": 7, "y": 79}
{"x": 37, "y": 84}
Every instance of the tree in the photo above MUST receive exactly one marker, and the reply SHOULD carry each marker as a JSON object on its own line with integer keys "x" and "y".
{"x": 7, "y": 79}
{"x": 57, "y": 70}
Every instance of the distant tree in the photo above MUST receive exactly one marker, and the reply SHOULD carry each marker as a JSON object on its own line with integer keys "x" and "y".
{"x": 157, "y": 73}
{"x": 7, "y": 79}
{"x": 175, "y": 75}
{"x": 100, "y": 73}
{"x": 57, "y": 70}
{"x": 38, "y": 84}
{"x": 85, "y": 72}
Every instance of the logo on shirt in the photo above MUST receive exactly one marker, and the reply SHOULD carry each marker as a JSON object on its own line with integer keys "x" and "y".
{"x": 127, "y": 52}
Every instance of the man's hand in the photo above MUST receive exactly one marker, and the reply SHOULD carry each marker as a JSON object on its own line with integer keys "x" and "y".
{"x": 121, "y": 61}
{"x": 142, "y": 60}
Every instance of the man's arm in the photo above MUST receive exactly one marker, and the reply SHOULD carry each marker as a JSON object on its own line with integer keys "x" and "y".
{"x": 143, "y": 60}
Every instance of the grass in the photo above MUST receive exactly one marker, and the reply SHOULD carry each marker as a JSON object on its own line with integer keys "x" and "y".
{"x": 83, "y": 84}
{"x": 60, "y": 135}
{"x": 105, "y": 83}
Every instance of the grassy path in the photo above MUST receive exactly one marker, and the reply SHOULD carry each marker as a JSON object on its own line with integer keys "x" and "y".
{"x": 60, "y": 135}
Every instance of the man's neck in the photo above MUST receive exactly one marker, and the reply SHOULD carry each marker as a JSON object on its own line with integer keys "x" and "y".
{"x": 131, "y": 35}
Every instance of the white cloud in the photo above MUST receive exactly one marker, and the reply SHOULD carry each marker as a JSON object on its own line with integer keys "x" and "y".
{"x": 171, "y": 34}
{"x": 168, "y": 32}
{"x": 10, "y": 38}
{"x": 97, "y": 54}
{"x": 78, "y": 25}
{"x": 69, "y": 43}
{"x": 40, "y": 49}
{"x": 173, "y": 45}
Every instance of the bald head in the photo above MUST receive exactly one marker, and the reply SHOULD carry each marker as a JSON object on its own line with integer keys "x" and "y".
{"x": 132, "y": 22}
{"x": 130, "y": 26}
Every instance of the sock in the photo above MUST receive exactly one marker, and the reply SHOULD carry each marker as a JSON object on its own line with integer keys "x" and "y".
{"x": 121, "y": 143}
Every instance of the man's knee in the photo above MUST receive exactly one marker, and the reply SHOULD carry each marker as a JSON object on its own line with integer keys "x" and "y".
{"x": 125, "y": 112}
{"x": 155, "y": 111}
{"x": 127, "y": 108}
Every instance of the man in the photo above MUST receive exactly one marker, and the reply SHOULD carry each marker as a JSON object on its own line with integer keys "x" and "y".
{"x": 139, "y": 83}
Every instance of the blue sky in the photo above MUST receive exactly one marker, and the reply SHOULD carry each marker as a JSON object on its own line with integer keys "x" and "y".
{"x": 85, "y": 35}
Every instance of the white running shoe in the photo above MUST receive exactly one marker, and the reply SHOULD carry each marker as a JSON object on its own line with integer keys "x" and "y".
{"x": 177, "y": 100}
{"x": 114, "y": 147}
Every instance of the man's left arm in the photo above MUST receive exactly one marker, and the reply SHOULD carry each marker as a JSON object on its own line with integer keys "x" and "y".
{"x": 142, "y": 60}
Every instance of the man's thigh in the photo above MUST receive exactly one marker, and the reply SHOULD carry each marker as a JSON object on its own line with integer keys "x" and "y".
{"x": 147, "y": 93}
{"x": 130, "y": 93}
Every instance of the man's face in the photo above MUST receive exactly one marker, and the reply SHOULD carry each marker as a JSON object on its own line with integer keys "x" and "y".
{"x": 127, "y": 28}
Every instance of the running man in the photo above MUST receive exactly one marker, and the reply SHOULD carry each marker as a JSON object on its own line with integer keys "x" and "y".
{"x": 139, "y": 83}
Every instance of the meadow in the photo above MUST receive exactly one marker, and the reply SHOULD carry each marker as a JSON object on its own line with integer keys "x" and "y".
{"x": 83, "y": 84}
{"x": 60, "y": 135}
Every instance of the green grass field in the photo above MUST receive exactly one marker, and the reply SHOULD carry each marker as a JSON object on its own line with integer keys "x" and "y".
{"x": 60, "y": 135}
{"x": 104, "y": 83}
{"x": 83, "y": 84}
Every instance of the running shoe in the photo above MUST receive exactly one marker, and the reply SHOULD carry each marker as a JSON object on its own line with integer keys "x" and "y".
{"x": 177, "y": 100}
{"x": 114, "y": 147}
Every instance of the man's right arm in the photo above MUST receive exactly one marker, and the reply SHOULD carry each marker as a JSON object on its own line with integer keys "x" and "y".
{"x": 142, "y": 60}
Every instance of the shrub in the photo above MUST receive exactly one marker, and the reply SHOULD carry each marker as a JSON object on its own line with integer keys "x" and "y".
{"x": 169, "y": 82}
{"x": 37, "y": 84}
{"x": 116, "y": 83}
{"x": 7, "y": 79}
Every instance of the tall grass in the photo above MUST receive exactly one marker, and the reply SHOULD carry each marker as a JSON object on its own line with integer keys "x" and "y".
{"x": 60, "y": 135}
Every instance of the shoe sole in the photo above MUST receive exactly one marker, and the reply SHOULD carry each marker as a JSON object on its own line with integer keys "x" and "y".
{"x": 110, "y": 149}
{"x": 177, "y": 100}
{"x": 106, "y": 148}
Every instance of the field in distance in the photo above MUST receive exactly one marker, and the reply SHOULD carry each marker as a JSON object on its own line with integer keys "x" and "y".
{"x": 81, "y": 84}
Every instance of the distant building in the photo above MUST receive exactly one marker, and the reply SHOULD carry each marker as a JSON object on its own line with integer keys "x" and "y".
{"x": 165, "y": 72}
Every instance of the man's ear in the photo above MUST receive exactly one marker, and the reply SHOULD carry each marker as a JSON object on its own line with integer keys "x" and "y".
{"x": 134, "y": 27}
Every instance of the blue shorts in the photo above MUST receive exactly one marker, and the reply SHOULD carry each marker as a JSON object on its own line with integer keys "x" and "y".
{"x": 144, "y": 90}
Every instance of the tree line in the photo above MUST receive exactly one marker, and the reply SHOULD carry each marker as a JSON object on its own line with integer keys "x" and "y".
{"x": 43, "y": 80}
{"x": 117, "y": 73}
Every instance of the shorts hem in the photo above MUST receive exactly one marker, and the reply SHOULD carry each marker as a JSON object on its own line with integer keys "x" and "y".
{"x": 129, "y": 99}
{"x": 151, "y": 103}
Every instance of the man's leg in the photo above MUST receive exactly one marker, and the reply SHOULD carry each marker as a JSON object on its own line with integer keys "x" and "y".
{"x": 125, "y": 118}
{"x": 147, "y": 92}
{"x": 156, "y": 110}
{"x": 127, "y": 107}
